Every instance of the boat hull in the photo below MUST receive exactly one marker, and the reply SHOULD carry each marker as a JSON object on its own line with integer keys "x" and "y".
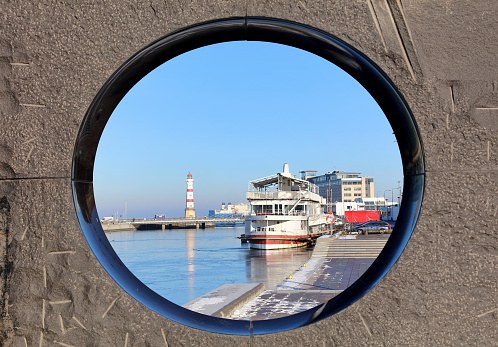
{"x": 275, "y": 244}
{"x": 278, "y": 232}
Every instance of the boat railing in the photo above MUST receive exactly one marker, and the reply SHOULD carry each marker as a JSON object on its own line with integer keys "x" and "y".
{"x": 283, "y": 195}
{"x": 280, "y": 195}
{"x": 279, "y": 213}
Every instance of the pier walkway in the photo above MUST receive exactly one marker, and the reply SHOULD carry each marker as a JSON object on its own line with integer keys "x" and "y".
{"x": 183, "y": 223}
{"x": 334, "y": 266}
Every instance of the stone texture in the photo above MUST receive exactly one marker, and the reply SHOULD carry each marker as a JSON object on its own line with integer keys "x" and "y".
{"x": 58, "y": 292}
{"x": 455, "y": 40}
{"x": 458, "y": 130}
{"x": 54, "y": 56}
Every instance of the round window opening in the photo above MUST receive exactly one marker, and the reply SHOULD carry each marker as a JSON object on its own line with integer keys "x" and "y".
{"x": 328, "y": 206}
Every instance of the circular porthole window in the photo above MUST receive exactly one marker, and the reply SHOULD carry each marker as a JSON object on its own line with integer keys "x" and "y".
{"x": 321, "y": 44}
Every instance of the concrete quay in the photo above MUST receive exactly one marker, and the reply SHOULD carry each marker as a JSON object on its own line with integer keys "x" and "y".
{"x": 223, "y": 301}
{"x": 117, "y": 226}
{"x": 335, "y": 264}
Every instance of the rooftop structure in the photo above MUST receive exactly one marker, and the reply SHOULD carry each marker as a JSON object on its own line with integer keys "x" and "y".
{"x": 307, "y": 174}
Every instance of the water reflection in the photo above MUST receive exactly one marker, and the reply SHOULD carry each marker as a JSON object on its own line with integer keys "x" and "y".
{"x": 190, "y": 244}
{"x": 272, "y": 267}
{"x": 182, "y": 265}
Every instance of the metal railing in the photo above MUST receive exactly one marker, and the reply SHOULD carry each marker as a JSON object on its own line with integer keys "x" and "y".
{"x": 290, "y": 195}
{"x": 279, "y": 213}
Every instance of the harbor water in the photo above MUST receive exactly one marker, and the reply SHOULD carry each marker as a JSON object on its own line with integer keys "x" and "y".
{"x": 183, "y": 264}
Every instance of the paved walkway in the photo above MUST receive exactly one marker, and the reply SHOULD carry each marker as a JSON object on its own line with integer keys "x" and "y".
{"x": 362, "y": 247}
{"x": 334, "y": 266}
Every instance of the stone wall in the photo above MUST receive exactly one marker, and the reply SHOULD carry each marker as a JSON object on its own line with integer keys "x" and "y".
{"x": 442, "y": 55}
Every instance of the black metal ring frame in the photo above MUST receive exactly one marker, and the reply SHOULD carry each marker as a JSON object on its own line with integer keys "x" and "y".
{"x": 288, "y": 33}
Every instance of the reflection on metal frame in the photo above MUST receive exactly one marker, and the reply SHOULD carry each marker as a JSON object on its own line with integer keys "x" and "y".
{"x": 249, "y": 29}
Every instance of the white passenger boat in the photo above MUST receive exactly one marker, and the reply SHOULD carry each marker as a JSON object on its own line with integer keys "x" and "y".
{"x": 286, "y": 212}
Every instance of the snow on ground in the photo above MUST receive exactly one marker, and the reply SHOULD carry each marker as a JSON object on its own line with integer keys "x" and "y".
{"x": 278, "y": 306}
{"x": 301, "y": 276}
{"x": 199, "y": 305}
{"x": 347, "y": 237}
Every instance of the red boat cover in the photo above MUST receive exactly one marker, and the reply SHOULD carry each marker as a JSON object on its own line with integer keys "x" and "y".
{"x": 361, "y": 216}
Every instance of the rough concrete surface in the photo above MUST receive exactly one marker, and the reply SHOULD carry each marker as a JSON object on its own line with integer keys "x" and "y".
{"x": 224, "y": 300}
{"x": 54, "y": 57}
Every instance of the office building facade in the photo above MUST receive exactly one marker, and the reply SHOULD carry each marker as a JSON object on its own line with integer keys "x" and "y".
{"x": 341, "y": 186}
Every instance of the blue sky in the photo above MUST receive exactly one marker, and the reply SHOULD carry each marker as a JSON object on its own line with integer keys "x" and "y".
{"x": 230, "y": 113}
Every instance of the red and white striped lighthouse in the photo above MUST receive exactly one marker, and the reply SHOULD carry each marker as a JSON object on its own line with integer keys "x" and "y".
{"x": 190, "y": 210}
